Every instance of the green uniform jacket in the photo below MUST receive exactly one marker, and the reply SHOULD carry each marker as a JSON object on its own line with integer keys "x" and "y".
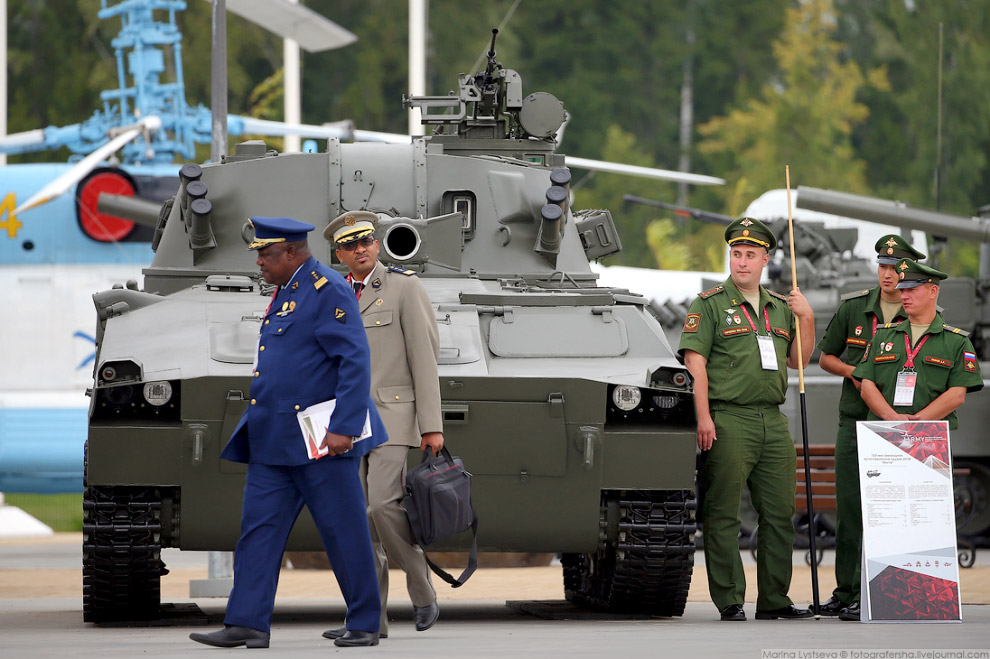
{"x": 947, "y": 359}
{"x": 717, "y": 329}
{"x": 850, "y": 331}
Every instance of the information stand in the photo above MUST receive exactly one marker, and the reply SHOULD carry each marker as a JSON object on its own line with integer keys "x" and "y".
{"x": 910, "y": 571}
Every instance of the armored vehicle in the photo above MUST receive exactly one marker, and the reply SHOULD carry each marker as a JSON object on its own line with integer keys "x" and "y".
{"x": 564, "y": 398}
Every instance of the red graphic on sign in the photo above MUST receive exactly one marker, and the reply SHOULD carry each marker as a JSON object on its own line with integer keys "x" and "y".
{"x": 922, "y": 440}
{"x": 897, "y": 594}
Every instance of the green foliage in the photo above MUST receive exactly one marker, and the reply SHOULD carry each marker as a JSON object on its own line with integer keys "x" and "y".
{"x": 843, "y": 91}
{"x": 62, "y": 512}
{"x": 804, "y": 117}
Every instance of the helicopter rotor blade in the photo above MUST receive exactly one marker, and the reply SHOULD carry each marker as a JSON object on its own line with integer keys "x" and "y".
{"x": 29, "y": 140}
{"x": 65, "y": 181}
{"x": 290, "y": 20}
{"x": 645, "y": 172}
{"x": 342, "y": 130}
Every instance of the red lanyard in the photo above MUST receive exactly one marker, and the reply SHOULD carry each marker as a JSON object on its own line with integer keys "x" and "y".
{"x": 271, "y": 301}
{"x": 766, "y": 317}
{"x": 911, "y": 354}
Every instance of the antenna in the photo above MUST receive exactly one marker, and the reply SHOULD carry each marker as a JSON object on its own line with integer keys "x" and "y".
{"x": 938, "y": 136}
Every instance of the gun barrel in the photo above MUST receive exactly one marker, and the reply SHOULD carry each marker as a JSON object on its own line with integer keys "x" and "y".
{"x": 883, "y": 211}
{"x": 137, "y": 210}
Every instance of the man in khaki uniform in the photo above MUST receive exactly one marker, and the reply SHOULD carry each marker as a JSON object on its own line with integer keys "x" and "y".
{"x": 404, "y": 341}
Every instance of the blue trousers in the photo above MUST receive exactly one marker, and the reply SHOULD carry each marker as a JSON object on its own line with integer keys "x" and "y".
{"x": 273, "y": 497}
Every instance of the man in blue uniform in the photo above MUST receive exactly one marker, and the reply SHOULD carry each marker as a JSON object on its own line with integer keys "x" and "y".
{"x": 312, "y": 348}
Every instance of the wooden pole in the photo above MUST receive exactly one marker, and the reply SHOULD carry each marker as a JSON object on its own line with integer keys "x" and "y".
{"x": 812, "y": 530}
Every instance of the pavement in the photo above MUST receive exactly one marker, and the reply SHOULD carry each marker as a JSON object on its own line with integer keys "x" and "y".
{"x": 515, "y": 612}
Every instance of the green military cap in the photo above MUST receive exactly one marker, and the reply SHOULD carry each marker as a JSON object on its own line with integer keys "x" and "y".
{"x": 912, "y": 274}
{"x": 892, "y": 248}
{"x": 747, "y": 231}
{"x": 350, "y": 226}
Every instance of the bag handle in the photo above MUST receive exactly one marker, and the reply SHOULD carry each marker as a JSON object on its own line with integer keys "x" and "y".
{"x": 472, "y": 561}
{"x": 428, "y": 453}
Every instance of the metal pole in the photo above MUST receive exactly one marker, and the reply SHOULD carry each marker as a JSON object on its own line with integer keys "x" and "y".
{"x": 291, "y": 91}
{"x": 220, "y": 564}
{"x": 804, "y": 415}
{"x": 417, "y": 60}
{"x": 3, "y": 75}
{"x": 219, "y": 81}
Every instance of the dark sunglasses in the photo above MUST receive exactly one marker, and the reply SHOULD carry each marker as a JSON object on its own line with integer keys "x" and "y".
{"x": 367, "y": 241}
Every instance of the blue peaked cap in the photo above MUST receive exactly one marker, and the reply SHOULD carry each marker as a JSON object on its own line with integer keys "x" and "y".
{"x": 271, "y": 230}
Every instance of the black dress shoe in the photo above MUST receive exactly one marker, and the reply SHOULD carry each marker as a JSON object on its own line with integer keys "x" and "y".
{"x": 832, "y": 607}
{"x": 232, "y": 636}
{"x": 353, "y": 638}
{"x": 426, "y": 616}
{"x": 733, "y": 613}
{"x": 789, "y": 612}
{"x": 851, "y": 613}
{"x": 340, "y": 631}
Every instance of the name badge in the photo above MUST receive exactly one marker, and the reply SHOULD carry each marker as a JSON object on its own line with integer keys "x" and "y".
{"x": 768, "y": 355}
{"x": 904, "y": 390}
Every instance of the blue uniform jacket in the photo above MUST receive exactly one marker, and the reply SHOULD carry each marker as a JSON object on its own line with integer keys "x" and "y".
{"x": 312, "y": 348}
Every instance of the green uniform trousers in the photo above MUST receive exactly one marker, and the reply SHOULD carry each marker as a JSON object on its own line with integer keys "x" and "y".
{"x": 849, "y": 516}
{"x": 753, "y": 448}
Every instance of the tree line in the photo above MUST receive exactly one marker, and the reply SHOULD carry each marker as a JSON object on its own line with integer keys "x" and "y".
{"x": 844, "y": 91}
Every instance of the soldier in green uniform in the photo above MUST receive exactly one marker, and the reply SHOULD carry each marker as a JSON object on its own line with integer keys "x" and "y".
{"x": 851, "y": 329}
{"x": 919, "y": 369}
{"x": 737, "y": 342}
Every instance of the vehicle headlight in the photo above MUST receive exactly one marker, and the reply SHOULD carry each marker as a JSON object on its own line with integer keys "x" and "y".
{"x": 626, "y": 397}
{"x": 157, "y": 393}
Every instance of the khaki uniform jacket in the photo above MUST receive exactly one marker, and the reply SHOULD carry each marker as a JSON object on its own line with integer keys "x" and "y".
{"x": 405, "y": 344}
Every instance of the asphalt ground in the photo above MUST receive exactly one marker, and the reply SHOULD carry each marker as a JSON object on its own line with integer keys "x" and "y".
{"x": 499, "y": 612}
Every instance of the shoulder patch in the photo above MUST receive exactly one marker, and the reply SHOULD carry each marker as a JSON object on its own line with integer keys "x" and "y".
{"x": 777, "y": 295}
{"x": 955, "y": 330}
{"x": 854, "y": 295}
{"x": 401, "y": 271}
{"x": 711, "y": 291}
{"x": 340, "y": 315}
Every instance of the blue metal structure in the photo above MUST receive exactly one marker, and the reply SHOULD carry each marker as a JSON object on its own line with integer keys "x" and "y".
{"x": 141, "y": 57}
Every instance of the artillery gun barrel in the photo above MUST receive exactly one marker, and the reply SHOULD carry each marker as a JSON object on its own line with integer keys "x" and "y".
{"x": 883, "y": 211}
{"x": 137, "y": 210}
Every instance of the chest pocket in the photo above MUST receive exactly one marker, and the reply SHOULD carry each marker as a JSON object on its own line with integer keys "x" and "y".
{"x": 377, "y": 319}
{"x": 280, "y": 325}
{"x": 782, "y": 333}
{"x": 731, "y": 332}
